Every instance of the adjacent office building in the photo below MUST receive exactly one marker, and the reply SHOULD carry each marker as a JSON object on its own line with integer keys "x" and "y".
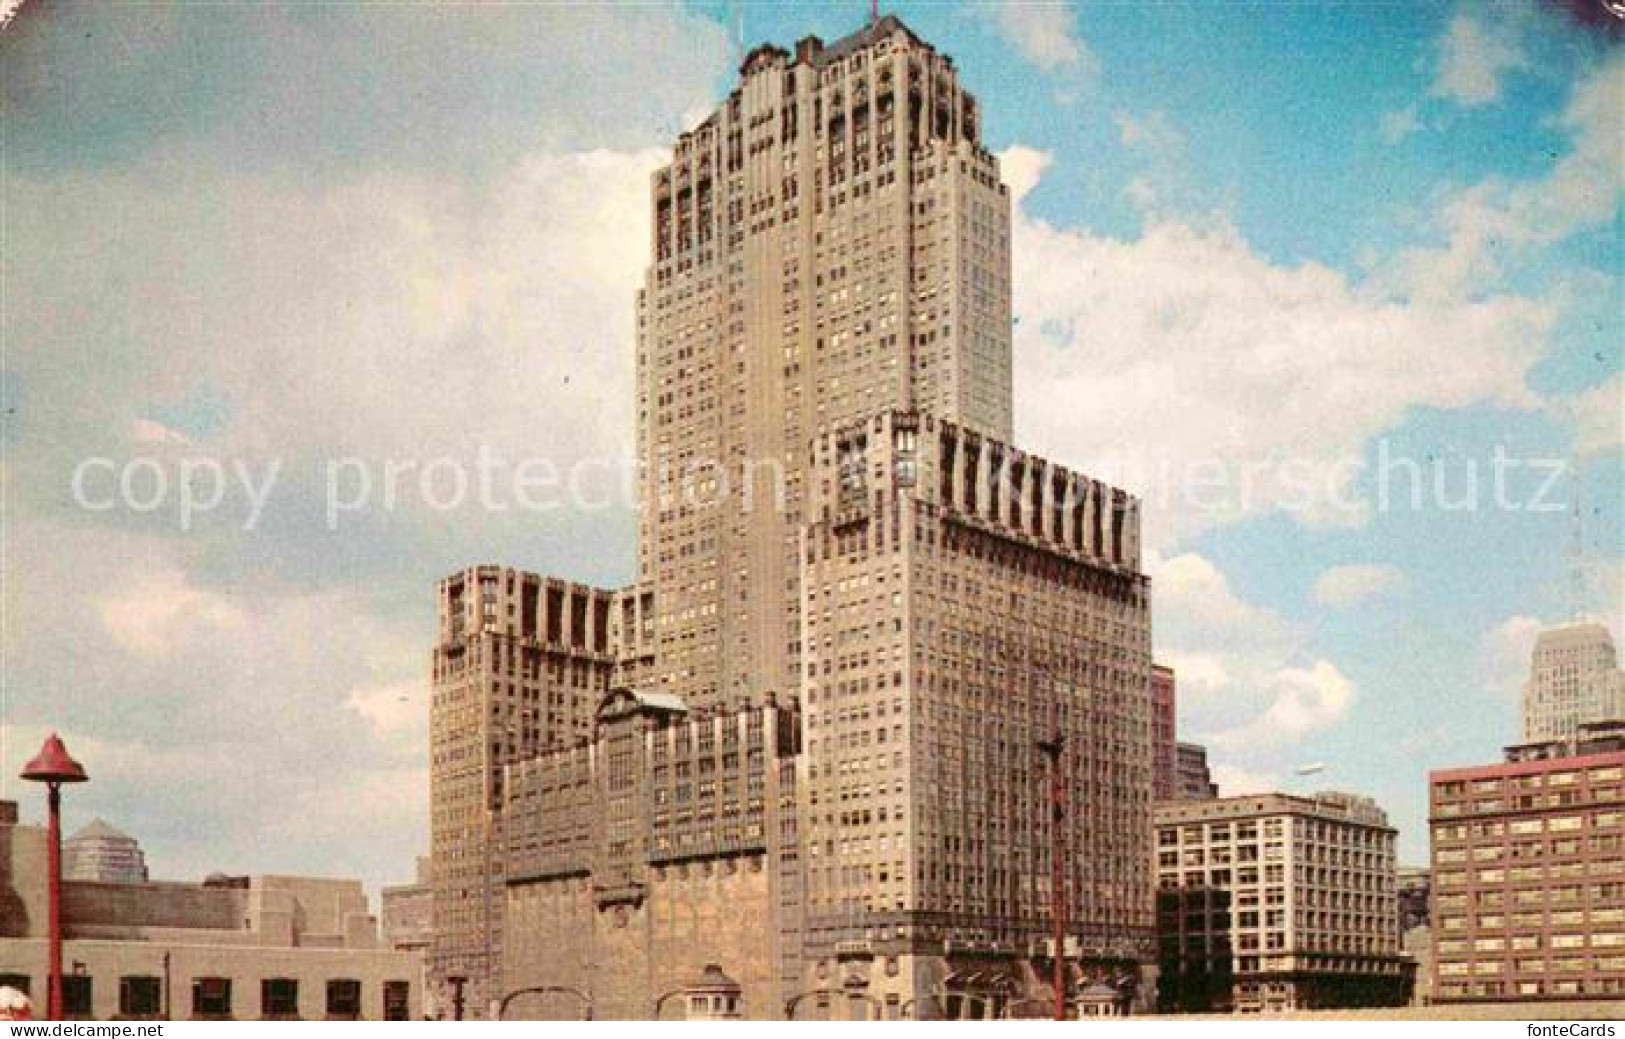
{"x": 406, "y": 916}
{"x": 1529, "y": 873}
{"x": 1164, "y": 726}
{"x": 245, "y": 948}
{"x": 1276, "y": 902}
{"x": 519, "y": 666}
{"x": 1574, "y": 679}
{"x": 1193, "y": 780}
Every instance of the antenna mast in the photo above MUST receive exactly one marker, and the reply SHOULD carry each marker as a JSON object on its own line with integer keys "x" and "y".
{"x": 1577, "y": 547}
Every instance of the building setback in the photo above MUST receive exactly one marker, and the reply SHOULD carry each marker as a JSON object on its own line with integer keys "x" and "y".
{"x": 1277, "y": 902}
{"x": 243, "y": 948}
{"x": 1529, "y": 873}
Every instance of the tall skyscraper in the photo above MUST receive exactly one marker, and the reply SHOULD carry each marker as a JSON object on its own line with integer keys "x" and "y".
{"x": 1574, "y": 679}
{"x": 519, "y": 666}
{"x": 832, "y": 242}
{"x": 859, "y": 612}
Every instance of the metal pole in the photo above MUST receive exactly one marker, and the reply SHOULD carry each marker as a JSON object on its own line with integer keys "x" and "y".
{"x": 166, "y": 988}
{"x": 54, "y": 865}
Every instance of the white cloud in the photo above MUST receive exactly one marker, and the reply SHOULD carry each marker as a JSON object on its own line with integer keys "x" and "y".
{"x": 1597, "y": 416}
{"x": 1164, "y": 187}
{"x": 159, "y": 610}
{"x": 1275, "y": 378}
{"x": 1354, "y": 583}
{"x": 397, "y": 711}
{"x": 1044, "y": 33}
{"x": 1475, "y": 56}
{"x": 1234, "y": 781}
{"x": 1249, "y": 683}
{"x": 1504, "y": 653}
{"x": 1488, "y": 226}
{"x": 1398, "y": 125}
{"x": 193, "y": 703}
{"x": 1154, "y": 134}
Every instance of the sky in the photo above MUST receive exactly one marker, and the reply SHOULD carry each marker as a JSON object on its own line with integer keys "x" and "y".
{"x": 1335, "y": 287}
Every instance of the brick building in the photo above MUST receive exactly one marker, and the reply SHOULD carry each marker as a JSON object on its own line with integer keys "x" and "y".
{"x": 1529, "y": 873}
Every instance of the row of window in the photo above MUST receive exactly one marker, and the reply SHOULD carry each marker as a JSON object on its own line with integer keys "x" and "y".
{"x": 141, "y": 996}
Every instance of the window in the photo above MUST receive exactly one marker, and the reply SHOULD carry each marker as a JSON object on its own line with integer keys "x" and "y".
{"x": 343, "y": 999}
{"x": 139, "y": 996}
{"x": 279, "y": 999}
{"x": 76, "y": 999}
{"x": 211, "y": 999}
{"x": 397, "y": 1000}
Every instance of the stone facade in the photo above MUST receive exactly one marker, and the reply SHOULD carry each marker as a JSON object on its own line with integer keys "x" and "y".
{"x": 519, "y": 666}
{"x": 245, "y": 947}
{"x": 831, "y": 242}
{"x": 1574, "y": 679}
{"x": 832, "y": 516}
{"x": 666, "y": 844}
{"x": 1193, "y": 780}
{"x": 1274, "y": 902}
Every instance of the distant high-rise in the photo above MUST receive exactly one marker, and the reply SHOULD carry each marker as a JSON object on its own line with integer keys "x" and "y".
{"x": 1574, "y": 678}
{"x": 1193, "y": 779}
{"x": 103, "y": 853}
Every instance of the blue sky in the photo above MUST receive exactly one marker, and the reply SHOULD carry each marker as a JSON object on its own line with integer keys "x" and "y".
{"x": 1251, "y": 237}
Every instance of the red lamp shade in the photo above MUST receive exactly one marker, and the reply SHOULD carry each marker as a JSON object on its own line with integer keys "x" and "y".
{"x": 53, "y": 765}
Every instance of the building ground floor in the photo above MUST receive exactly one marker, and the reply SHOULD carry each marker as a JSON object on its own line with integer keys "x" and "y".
{"x": 108, "y": 980}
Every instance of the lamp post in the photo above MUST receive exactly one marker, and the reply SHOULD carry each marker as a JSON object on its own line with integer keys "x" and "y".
{"x": 53, "y": 767}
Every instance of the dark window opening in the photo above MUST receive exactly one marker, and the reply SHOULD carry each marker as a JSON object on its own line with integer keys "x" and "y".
{"x": 344, "y": 999}
{"x": 211, "y": 998}
{"x": 279, "y": 999}
{"x": 140, "y": 996}
{"x": 397, "y": 1000}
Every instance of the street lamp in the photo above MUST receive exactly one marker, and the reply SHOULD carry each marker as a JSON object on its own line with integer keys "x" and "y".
{"x": 53, "y": 767}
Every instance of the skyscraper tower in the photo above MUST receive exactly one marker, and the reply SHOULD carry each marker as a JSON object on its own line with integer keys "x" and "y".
{"x": 832, "y": 242}
{"x": 1574, "y": 678}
